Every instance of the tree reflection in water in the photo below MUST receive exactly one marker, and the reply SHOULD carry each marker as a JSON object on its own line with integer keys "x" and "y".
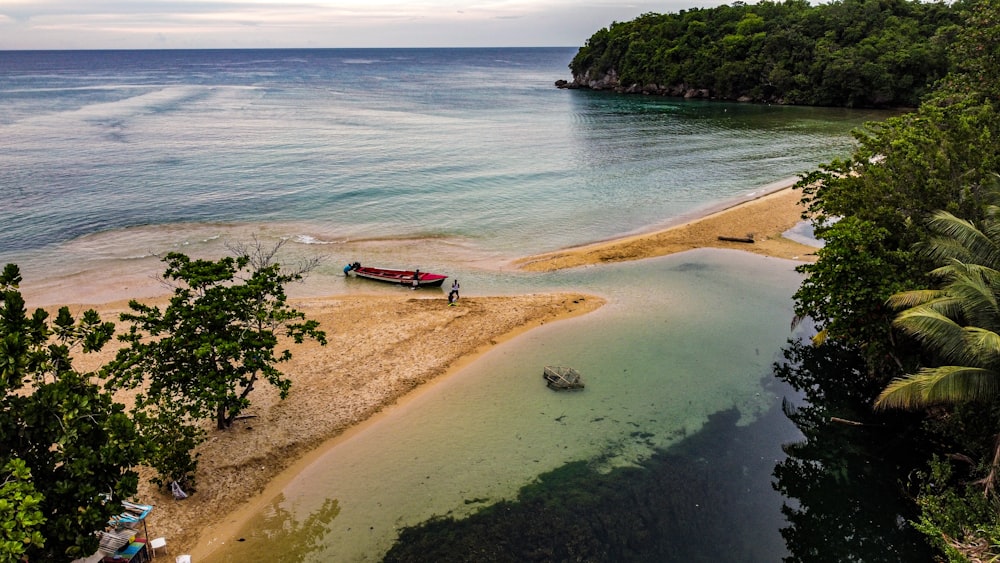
{"x": 707, "y": 498}
{"x": 712, "y": 496}
{"x": 279, "y": 534}
{"x": 845, "y": 481}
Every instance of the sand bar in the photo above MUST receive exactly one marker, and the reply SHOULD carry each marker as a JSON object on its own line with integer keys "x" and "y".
{"x": 382, "y": 347}
{"x": 763, "y": 219}
{"x": 379, "y": 349}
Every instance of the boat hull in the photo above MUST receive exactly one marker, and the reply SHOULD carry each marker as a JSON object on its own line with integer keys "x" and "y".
{"x": 399, "y": 277}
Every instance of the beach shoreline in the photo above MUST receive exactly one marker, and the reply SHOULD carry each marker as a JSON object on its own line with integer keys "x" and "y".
{"x": 763, "y": 218}
{"x": 383, "y": 347}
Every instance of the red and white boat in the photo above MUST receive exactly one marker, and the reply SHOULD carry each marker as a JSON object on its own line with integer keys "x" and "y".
{"x": 402, "y": 277}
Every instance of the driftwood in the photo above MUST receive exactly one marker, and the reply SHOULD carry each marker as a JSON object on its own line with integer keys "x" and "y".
{"x": 845, "y": 421}
{"x": 748, "y": 239}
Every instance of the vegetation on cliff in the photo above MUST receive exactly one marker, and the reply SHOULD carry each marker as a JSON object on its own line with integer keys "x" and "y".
{"x": 910, "y": 231}
{"x": 853, "y": 53}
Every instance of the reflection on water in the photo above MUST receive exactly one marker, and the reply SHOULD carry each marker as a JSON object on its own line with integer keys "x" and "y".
{"x": 683, "y": 337}
{"x": 844, "y": 481}
{"x": 667, "y": 455}
{"x": 299, "y": 535}
{"x": 707, "y": 498}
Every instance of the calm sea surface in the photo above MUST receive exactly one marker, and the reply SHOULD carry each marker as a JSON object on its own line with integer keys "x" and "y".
{"x": 450, "y": 160}
{"x": 436, "y": 158}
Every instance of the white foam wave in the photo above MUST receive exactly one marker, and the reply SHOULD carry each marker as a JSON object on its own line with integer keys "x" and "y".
{"x": 307, "y": 239}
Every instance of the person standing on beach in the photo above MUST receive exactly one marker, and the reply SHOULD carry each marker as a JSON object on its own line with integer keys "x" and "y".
{"x": 453, "y": 294}
{"x": 416, "y": 279}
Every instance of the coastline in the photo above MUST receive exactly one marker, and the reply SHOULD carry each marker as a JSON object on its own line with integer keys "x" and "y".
{"x": 381, "y": 348}
{"x": 763, "y": 218}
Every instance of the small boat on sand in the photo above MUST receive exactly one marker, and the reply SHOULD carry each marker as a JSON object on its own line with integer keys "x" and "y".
{"x": 413, "y": 278}
{"x": 562, "y": 378}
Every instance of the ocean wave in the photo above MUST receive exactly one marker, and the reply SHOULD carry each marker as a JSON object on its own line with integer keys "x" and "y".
{"x": 308, "y": 239}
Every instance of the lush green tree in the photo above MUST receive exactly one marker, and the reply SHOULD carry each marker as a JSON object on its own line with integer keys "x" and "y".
{"x": 962, "y": 523}
{"x": 78, "y": 444}
{"x": 20, "y": 516}
{"x": 853, "y": 53}
{"x": 959, "y": 322}
{"x": 871, "y": 211}
{"x": 202, "y": 355}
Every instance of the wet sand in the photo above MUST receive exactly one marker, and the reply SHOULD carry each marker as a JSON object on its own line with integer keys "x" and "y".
{"x": 763, "y": 219}
{"x": 382, "y": 347}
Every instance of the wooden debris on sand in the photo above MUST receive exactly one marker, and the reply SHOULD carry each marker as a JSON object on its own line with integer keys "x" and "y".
{"x": 562, "y": 378}
{"x": 747, "y": 239}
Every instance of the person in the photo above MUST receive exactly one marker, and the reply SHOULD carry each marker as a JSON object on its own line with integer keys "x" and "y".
{"x": 348, "y": 268}
{"x": 416, "y": 279}
{"x": 454, "y": 288}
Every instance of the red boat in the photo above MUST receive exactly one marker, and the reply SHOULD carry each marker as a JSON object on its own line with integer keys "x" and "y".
{"x": 402, "y": 277}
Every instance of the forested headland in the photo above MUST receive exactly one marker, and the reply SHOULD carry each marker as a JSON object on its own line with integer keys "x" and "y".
{"x": 851, "y": 53}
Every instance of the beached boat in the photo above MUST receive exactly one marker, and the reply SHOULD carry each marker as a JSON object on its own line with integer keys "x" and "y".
{"x": 402, "y": 277}
{"x": 560, "y": 378}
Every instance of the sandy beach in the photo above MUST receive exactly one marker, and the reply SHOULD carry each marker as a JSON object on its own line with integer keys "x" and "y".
{"x": 762, "y": 219}
{"x": 382, "y": 347}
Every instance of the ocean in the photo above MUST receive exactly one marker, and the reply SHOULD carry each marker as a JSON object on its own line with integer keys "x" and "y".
{"x": 430, "y": 158}
{"x": 454, "y": 161}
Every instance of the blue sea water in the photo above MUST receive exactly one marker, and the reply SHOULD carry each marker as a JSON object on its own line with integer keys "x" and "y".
{"x": 436, "y": 157}
{"x": 451, "y": 160}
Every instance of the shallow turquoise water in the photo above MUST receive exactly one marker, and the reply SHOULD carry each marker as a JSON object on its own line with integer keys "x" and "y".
{"x": 682, "y": 337}
{"x": 448, "y": 160}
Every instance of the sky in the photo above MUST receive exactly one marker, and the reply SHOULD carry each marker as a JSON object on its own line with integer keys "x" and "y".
{"x": 208, "y": 24}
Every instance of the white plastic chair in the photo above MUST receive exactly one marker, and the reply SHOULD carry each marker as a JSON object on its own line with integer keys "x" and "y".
{"x": 157, "y": 543}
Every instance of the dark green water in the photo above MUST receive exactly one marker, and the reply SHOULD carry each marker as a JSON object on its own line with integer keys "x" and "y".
{"x": 667, "y": 455}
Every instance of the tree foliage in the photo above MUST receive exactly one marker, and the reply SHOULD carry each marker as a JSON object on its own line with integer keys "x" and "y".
{"x": 202, "y": 355}
{"x": 74, "y": 443}
{"x": 958, "y": 324}
{"x": 882, "y": 214}
{"x": 872, "y": 209}
{"x": 20, "y": 516}
{"x": 855, "y": 53}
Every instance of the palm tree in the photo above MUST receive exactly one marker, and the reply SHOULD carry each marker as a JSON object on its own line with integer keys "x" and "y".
{"x": 960, "y": 322}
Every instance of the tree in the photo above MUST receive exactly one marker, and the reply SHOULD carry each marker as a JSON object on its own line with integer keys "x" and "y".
{"x": 20, "y": 515}
{"x": 958, "y": 323}
{"x": 202, "y": 355}
{"x": 76, "y": 445}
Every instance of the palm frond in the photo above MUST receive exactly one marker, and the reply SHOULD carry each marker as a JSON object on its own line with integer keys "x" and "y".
{"x": 978, "y": 301}
{"x": 944, "y": 384}
{"x": 934, "y": 330}
{"x": 965, "y": 233}
{"x": 982, "y": 348}
{"x": 907, "y": 299}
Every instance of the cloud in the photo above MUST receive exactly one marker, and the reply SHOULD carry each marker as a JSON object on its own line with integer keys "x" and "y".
{"x": 60, "y": 24}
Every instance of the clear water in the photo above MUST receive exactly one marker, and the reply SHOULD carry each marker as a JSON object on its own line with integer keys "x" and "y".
{"x": 656, "y": 365}
{"x": 438, "y": 158}
{"x": 453, "y": 160}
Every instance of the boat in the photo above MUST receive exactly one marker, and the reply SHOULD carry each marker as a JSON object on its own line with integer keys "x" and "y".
{"x": 401, "y": 277}
{"x": 562, "y": 378}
